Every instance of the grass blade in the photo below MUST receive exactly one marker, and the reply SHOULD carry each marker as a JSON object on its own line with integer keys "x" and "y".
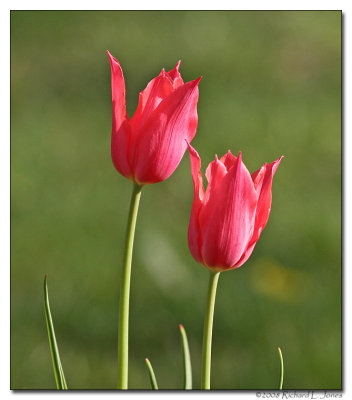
{"x": 186, "y": 360}
{"x": 153, "y": 382}
{"x": 58, "y": 371}
{"x": 281, "y": 381}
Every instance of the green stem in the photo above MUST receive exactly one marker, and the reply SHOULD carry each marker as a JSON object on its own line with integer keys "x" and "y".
{"x": 122, "y": 353}
{"x": 208, "y": 330}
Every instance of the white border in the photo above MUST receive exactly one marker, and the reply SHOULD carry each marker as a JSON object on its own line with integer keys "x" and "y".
{"x": 5, "y": 8}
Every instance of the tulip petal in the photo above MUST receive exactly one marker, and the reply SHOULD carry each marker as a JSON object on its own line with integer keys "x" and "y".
{"x": 196, "y": 173}
{"x": 245, "y": 256}
{"x": 118, "y": 91}
{"x": 264, "y": 200}
{"x": 227, "y": 219}
{"x": 174, "y": 73}
{"x": 215, "y": 171}
{"x": 157, "y": 90}
{"x": 229, "y": 160}
{"x": 120, "y": 135}
{"x": 194, "y": 237}
{"x": 161, "y": 147}
{"x": 262, "y": 180}
{"x": 258, "y": 178}
{"x": 176, "y": 76}
{"x": 121, "y": 150}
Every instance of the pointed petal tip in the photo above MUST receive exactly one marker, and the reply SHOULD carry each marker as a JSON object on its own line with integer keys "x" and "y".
{"x": 177, "y": 66}
{"x": 193, "y": 153}
{"x": 191, "y": 149}
{"x": 112, "y": 59}
{"x": 110, "y": 55}
{"x": 181, "y": 327}
{"x": 278, "y": 161}
{"x": 194, "y": 83}
{"x": 275, "y": 164}
{"x": 146, "y": 359}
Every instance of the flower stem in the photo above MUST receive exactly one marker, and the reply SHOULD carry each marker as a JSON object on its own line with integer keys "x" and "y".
{"x": 122, "y": 352}
{"x": 208, "y": 330}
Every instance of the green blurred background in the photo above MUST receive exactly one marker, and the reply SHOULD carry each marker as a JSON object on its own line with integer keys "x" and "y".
{"x": 271, "y": 86}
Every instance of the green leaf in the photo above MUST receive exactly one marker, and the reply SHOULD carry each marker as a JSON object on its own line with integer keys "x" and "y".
{"x": 152, "y": 378}
{"x": 281, "y": 381}
{"x": 186, "y": 360}
{"x": 58, "y": 371}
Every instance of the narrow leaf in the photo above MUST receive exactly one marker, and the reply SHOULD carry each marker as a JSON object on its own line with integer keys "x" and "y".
{"x": 186, "y": 360}
{"x": 152, "y": 378}
{"x": 281, "y": 381}
{"x": 58, "y": 371}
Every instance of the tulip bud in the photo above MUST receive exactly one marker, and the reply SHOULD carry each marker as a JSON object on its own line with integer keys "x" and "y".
{"x": 228, "y": 218}
{"x": 148, "y": 147}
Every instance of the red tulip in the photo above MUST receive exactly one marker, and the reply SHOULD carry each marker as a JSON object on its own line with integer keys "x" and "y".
{"x": 148, "y": 147}
{"x": 229, "y": 217}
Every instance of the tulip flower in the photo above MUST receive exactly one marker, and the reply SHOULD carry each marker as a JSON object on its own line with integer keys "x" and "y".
{"x": 148, "y": 147}
{"x": 226, "y": 222}
{"x": 228, "y": 218}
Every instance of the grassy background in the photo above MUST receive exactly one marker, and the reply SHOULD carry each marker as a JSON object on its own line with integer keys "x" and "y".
{"x": 271, "y": 85}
